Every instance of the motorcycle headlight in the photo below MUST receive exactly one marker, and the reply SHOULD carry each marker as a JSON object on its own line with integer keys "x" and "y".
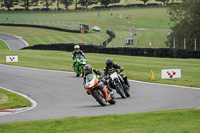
{"x": 84, "y": 62}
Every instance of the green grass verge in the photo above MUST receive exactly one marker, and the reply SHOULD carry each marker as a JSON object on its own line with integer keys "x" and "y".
{"x": 3, "y": 45}
{"x": 174, "y": 121}
{"x": 137, "y": 68}
{"x": 9, "y": 100}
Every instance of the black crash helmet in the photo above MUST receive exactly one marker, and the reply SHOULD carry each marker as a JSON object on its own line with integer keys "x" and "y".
{"x": 109, "y": 62}
{"x": 87, "y": 69}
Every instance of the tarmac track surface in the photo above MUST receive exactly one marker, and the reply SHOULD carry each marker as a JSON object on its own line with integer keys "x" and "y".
{"x": 60, "y": 94}
{"x": 13, "y": 42}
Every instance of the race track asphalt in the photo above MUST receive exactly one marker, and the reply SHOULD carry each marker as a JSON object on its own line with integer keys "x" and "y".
{"x": 13, "y": 42}
{"x": 60, "y": 94}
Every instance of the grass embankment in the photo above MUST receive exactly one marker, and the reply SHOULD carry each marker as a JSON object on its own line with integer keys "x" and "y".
{"x": 155, "y": 19}
{"x": 9, "y": 100}
{"x": 174, "y": 121}
{"x": 136, "y": 68}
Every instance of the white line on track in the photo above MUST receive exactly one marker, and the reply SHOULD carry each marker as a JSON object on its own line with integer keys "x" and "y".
{"x": 195, "y": 88}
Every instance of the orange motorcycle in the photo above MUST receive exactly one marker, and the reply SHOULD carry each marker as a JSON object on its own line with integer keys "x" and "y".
{"x": 98, "y": 90}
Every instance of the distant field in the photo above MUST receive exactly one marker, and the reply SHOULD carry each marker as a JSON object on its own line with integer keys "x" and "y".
{"x": 154, "y": 22}
{"x": 43, "y": 36}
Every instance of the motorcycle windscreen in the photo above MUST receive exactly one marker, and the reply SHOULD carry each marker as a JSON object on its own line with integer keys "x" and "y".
{"x": 114, "y": 75}
{"x": 80, "y": 57}
{"x": 90, "y": 79}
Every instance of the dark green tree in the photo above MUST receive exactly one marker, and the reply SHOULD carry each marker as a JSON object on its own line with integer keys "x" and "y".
{"x": 58, "y": 4}
{"x": 185, "y": 19}
{"x": 164, "y": 1}
{"x": 86, "y": 3}
{"x": 67, "y": 3}
{"x": 107, "y": 2}
{"x": 28, "y": 3}
{"x": 8, "y": 3}
{"x": 145, "y": 1}
{"x": 48, "y": 3}
{"x": 75, "y": 3}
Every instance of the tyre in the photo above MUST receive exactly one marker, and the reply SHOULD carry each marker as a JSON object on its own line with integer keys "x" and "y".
{"x": 82, "y": 72}
{"x": 99, "y": 97}
{"x": 120, "y": 91}
{"x": 126, "y": 91}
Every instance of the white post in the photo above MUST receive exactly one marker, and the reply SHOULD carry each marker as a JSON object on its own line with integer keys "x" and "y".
{"x": 195, "y": 44}
{"x": 184, "y": 43}
{"x": 174, "y": 43}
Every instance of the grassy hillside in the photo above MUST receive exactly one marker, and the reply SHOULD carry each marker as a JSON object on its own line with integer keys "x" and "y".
{"x": 153, "y": 21}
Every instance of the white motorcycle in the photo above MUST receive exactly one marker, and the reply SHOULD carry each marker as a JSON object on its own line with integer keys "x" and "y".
{"x": 118, "y": 84}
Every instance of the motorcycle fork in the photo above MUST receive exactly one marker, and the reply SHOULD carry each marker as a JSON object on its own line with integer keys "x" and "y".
{"x": 121, "y": 79}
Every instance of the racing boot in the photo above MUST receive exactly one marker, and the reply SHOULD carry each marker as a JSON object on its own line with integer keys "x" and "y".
{"x": 126, "y": 82}
{"x": 109, "y": 88}
{"x": 110, "y": 91}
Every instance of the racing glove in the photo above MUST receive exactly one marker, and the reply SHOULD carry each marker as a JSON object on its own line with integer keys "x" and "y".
{"x": 121, "y": 70}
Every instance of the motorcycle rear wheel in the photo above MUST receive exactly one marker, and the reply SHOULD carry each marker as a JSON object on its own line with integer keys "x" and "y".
{"x": 101, "y": 100}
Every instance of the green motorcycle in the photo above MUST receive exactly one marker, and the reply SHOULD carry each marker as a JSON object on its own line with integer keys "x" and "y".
{"x": 78, "y": 67}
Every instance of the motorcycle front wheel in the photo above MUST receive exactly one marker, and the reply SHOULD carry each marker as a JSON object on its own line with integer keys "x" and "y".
{"x": 99, "y": 97}
{"x": 126, "y": 91}
{"x": 82, "y": 72}
{"x": 120, "y": 91}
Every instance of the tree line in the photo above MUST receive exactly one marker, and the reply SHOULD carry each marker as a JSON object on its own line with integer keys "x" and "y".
{"x": 186, "y": 22}
{"x": 8, "y": 4}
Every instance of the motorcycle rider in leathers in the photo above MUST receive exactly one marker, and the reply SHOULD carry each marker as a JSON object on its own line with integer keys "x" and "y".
{"x": 112, "y": 67}
{"x": 89, "y": 70}
{"x": 77, "y": 52}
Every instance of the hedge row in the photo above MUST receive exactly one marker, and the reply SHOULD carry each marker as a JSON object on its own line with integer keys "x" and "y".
{"x": 148, "y": 52}
{"x": 41, "y": 26}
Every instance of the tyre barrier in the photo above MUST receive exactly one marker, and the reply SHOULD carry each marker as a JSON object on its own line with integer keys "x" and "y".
{"x": 106, "y": 42}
